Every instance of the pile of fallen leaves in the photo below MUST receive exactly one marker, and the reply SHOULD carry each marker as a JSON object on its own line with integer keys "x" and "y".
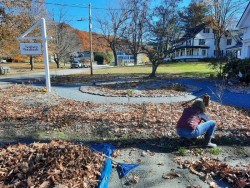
{"x": 207, "y": 168}
{"x": 55, "y": 164}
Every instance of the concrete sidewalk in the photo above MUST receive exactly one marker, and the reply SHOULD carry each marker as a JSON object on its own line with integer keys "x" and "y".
{"x": 150, "y": 173}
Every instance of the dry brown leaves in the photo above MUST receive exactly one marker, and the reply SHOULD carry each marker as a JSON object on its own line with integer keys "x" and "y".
{"x": 146, "y": 89}
{"x": 27, "y": 105}
{"x": 207, "y": 168}
{"x": 44, "y": 165}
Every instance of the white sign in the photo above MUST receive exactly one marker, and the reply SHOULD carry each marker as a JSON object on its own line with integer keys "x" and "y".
{"x": 31, "y": 48}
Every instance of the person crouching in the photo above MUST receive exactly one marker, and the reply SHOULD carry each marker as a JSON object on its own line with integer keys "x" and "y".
{"x": 194, "y": 122}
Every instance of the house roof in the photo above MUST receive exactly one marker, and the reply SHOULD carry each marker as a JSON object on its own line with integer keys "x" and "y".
{"x": 190, "y": 33}
{"x": 182, "y": 47}
{"x": 236, "y": 46}
{"x": 243, "y": 18}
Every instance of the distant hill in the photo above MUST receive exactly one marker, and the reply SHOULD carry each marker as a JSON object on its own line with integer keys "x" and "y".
{"x": 98, "y": 44}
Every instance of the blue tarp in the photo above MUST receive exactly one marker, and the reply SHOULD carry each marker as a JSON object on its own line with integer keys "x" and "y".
{"x": 106, "y": 172}
{"x": 107, "y": 149}
{"x": 122, "y": 168}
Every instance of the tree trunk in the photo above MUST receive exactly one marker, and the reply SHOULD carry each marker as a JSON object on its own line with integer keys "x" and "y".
{"x": 154, "y": 68}
{"x": 217, "y": 47}
{"x": 115, "y": 56}
{"x": 57, "y": 65}
{"x": 135, "y": 58}
{"x": 56, "y": 59}
{"x": 218, "y": 53}
{"x": 31, "y": 63}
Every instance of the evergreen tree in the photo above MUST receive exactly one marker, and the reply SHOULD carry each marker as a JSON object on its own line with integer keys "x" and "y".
{"x": 195, "y": 14}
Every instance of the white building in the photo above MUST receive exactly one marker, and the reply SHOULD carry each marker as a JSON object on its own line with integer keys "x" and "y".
{"x": 199, "y": 43}
{"x": 244, "y": 25}
{"x": 124, "y": 59}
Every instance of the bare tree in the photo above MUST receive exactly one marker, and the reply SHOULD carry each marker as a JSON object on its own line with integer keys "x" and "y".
{"x": 162, "y": 30}
{"x": 112, "y": 27}
{"x": 65, "y": 40}
{"x": 36, "y": 11}
{"x": 135, "y": 27}
{"x": 222, "y": 14}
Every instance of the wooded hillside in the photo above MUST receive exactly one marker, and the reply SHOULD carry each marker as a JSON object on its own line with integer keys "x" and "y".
{"x": 98, "y": 44}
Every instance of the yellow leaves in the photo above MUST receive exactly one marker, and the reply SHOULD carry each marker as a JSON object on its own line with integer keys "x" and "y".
{"x": 44, "y": 90}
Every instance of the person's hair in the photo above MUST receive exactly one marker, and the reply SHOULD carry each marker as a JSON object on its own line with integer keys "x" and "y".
{"x": 199, "y": 104}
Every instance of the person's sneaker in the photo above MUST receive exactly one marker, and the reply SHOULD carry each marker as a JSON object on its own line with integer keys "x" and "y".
{"x": 211, "y": 145}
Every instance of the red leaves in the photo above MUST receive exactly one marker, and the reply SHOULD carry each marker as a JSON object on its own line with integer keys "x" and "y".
{"x": 46, "y": 165}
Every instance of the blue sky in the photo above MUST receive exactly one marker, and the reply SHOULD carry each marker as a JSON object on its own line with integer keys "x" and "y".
{"x": 79, "y": 9}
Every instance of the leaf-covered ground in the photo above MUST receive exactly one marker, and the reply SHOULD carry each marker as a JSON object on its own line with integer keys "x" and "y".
{"x": 28, "y": 113}
{"x": 207, "y": 169}
{"x": 55, "y": 164}
{"x": 26, "y": 106}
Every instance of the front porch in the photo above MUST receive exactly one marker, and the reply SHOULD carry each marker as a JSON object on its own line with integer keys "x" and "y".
{"x": 190, "y": 53}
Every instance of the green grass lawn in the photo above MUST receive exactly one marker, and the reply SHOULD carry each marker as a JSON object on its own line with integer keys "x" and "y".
{"x": 178, "y": 69}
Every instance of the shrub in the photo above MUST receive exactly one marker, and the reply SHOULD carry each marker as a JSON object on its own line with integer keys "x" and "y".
{"x": 99, "y": 57}
{"x": 182, "y": 150}
{"x": 238, "y": 68}
{"x": 215, "y": 151}
{"x": 109, "y": 58}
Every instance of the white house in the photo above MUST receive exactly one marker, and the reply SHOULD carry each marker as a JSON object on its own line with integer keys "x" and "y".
{"x": 244, "y": 25}
{"x": 198, "y": 43}
{"x": 124, "y": 59}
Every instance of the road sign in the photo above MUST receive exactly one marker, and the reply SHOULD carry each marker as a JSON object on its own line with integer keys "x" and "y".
{"x": 30, "y": 48}
{"x": 44, "y": 39}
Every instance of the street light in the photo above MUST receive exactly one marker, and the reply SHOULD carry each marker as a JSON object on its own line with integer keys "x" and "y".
{"x": 90, "y": 38}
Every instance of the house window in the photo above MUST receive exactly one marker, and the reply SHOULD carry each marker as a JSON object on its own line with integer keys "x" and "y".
{"x": 189, "y": 52}
{"x": 201, "y": 41}
{"x": 206, "y": 30}
{"x": 229, "y": 41}
{"x": 188, "y": 43}
{"x": 204, "y": 52}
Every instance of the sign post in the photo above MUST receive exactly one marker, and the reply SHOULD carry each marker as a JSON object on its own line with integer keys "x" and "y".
{"x": 45, "y": 54}
{"x": 33, "y": 48}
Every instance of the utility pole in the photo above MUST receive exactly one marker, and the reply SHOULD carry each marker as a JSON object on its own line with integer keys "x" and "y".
{"x": 90, "y": 39}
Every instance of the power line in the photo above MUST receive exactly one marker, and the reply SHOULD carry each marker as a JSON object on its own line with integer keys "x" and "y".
{"x": 77, "y": 6}
{"x": 63, "y": 5}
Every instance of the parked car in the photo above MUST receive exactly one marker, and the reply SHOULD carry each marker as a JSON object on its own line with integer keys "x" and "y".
{"x": 76, "y": 64}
